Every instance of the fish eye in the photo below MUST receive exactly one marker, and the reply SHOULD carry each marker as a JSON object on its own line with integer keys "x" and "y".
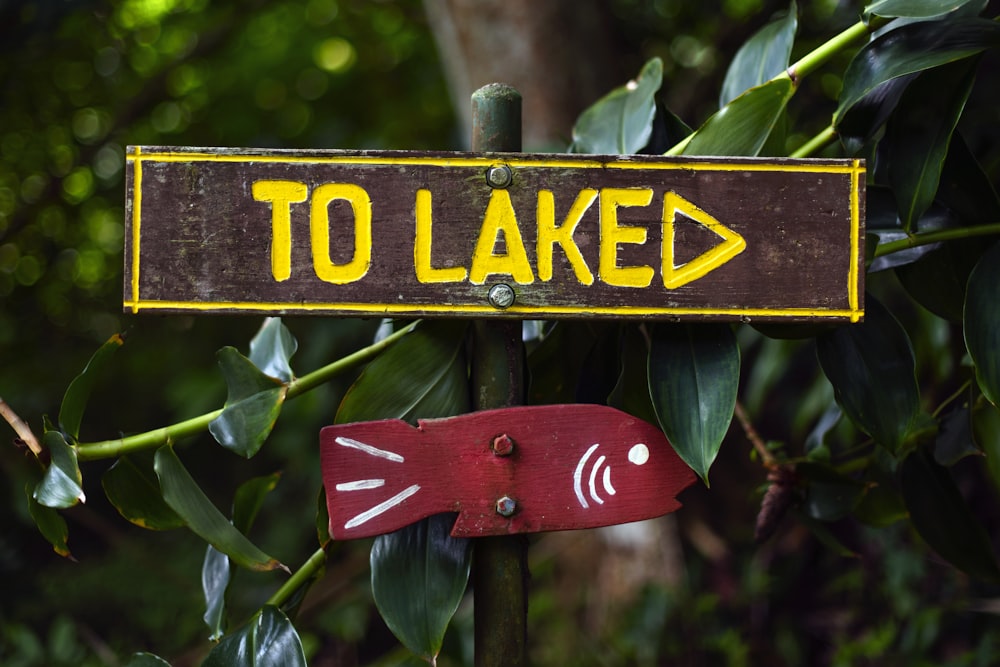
{"x": 639, "y": 454}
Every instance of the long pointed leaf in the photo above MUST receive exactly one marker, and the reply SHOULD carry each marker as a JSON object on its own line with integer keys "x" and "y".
{"x": 764, "y": 56}
{"x": 871, "y": 368}
{"x": 913, "y": 48}
{"x": 621, "y": 122}
{"x": 743, "y": 126}
{"x": 78, "y": 393}
{"x": 50, "y": 524}
{"x": 921, "y": 9}
{"x": 268, "y": 640}
{"x": 419, "y": 575}
{"x": 920, "y": 132}
{"x": 186, "y": 498}
{"x": 131, "y": 486}
{"x": 214, "y": 584}
{"x": 982, "y": 323}
{"x": 694, "y": 373}
{"x": 942, "y": 518}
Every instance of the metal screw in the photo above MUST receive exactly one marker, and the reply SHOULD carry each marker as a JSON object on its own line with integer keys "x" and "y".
{"x": 499, "y": 176}
{"x": 501, "y": 296}
{"x": 506, "y": 506}
{"x": 503, "y": 445}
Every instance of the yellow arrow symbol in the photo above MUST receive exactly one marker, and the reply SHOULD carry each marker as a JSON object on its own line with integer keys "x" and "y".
{"x": 732, "y": 243}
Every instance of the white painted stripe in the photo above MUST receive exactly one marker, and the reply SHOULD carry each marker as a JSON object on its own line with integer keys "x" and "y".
{"x": 607, "y": 481}
{"x": 593, "y": 478}
{"x": 578, "y": 475}
{"x": 382, "y": 507}
{"x": 368, "y": 449}
{"x": 360, "y": 485}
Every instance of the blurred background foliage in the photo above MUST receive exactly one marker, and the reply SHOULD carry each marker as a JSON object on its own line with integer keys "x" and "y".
{"x": 80, "y": 79}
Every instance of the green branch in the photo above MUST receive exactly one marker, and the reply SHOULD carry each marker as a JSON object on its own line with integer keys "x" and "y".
{"x": 817, "y": 143}
{"x": 818, "y": 57}
{"x": 299, "y": 578}
{"x": 925, "y": 238}
{"x": 133, "y": 443}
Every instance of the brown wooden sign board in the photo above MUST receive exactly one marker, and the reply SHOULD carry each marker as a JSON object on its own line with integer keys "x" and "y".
{"x": 432, "y": 234}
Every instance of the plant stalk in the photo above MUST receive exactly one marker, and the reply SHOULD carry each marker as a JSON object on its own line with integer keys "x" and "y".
{"x": 104, "y": 449}
{"x": 817, "y": 143}
{"x": 925, "y": 238}
{"x": 299, "y": 578}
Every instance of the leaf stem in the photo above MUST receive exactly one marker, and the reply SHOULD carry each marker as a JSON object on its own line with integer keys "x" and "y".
{"x": 817, "y": 143}
{"x": 298, "y": 578}
{"x": 111, "y": 448}
{"x": 818, "y": 57}
{"x": 925, "y": 238}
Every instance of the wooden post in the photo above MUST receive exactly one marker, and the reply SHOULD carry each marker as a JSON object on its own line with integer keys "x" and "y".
{"x": 500, "y": 570}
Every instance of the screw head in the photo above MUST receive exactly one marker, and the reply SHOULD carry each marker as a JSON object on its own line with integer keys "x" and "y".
{"x": 506, "y": 506}
{"x": 499, "y": 176}
{"x": 503, "y": 445}
{"x": 501, "y": 296}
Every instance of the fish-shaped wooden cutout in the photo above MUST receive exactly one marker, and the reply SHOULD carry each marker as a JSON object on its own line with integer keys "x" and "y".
{"x": 512, "y": 470}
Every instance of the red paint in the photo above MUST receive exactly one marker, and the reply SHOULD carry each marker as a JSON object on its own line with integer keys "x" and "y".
{"x": 567, "y": 467}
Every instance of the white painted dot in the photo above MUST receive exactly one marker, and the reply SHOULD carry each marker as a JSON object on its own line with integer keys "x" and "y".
{"x": 639, "y": 454}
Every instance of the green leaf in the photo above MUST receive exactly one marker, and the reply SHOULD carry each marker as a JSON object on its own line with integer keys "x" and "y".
{"x": 954, "y": 439}
{"x": 268, "y": 640}
{"x": 742, "y": 126}
{"x": 322, "y": 519}
{"x": 882, "y": 504}
{"x": 764, "y": 56}
{"x": 62, "y": 485}
{"x": 252, "y": 408}
{"x": 621, "y": 122}
{"x": 249, "y": 498}
{"x": 419, "y": 575}
{"x": 986, "y": 432}
{"x": 871, "y": 368}
{"x": 694, "y": 373}
{"x": 919, "y": 9}
{"x": 186, "y": 498}
{"x": 912, "y": 48}
{"x": 146, "y": 660}
{"x": 50, "y": 524}
{"x": 982, "y": 323}
{"x": 272, "y": 348}
{"x": 920, "y": 132}
{"x": 214, "y": 584}
{"x": 942, "y": 518}
{"x": 423, "y": 376}
{"x": 78, "y": 393}
{"x": 631, "y": 394}
{"x": 131, "y": 486}
{"x": 830, "y": 495}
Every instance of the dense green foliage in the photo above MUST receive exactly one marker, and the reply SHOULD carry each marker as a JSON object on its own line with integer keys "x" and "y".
{"x": 875, "y": 492}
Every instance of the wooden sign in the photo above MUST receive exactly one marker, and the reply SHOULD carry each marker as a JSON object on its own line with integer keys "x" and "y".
{"x": 512, "y": 470}
{"x": 493, "y": 235}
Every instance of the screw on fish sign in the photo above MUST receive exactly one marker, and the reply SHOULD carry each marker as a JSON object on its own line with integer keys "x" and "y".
{"x": 505, "y": 235}
{"x": 510, "y": 470}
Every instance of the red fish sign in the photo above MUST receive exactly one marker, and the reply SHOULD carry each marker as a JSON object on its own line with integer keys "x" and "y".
{"x": 513, "y": 470}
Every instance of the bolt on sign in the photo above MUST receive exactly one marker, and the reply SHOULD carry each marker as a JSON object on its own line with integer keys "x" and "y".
{"x": 493, "y": 235}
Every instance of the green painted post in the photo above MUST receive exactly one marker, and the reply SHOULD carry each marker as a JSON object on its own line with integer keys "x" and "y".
{"x": 500, "y": 569}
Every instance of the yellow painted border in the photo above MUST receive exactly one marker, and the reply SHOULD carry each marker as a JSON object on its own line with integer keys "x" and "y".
{"x": 854, "y": 168}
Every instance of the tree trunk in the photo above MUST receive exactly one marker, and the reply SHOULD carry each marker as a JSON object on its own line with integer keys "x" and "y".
{"x": 561, "y": 55}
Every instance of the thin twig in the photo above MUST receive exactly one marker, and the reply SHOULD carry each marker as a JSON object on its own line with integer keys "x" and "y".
{"x": 770, "y": 462}
{"x": 21, "y": 428}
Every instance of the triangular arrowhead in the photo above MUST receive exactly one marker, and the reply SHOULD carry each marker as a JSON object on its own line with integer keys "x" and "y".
{"x": 732, "y": 243}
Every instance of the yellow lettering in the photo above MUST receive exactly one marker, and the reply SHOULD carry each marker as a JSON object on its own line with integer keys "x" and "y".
{"x": 499, "y": 217}
{"x": 612, "y": 234}
{"x": 422, "y": 247}
{"x": 281, "y": 194}
{"x": 732, "y": 243}
{"x": 549, "y": 234}
{"x": 319, "y": 230}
